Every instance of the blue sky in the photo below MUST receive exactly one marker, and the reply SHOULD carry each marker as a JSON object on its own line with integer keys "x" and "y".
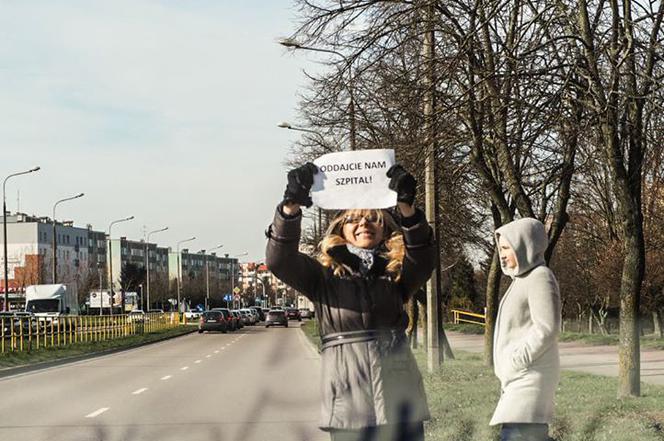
{"x": 165, "y": 110}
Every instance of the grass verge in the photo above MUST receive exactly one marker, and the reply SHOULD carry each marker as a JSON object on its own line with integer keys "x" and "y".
{"x": 465, "y": 328}
{"x": 463, "y": 394}
{"x": 16, "y": 359}
{"x": 310, "y": 328}
{"x": 648, "y": 341}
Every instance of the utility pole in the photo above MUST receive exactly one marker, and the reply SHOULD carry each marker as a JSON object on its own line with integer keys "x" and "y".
{"x": 434, "y": 355}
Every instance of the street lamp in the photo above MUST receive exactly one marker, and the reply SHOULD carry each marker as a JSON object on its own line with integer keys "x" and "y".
{"x": 321, "y": 138}
{"x": 293, "y": 44}
{"x": 147, "y": 264}
{"x": 55, "y": 237}
{"x": 110, "y": 258}
{"x": 4, "y": 230}
{"x": 258, "y": 280}
{"x": 179, "y": 269}
{"x": 207, "y": 277}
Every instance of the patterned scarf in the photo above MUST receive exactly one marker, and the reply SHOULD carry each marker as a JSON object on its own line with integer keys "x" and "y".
{"x": 367, "y": 257}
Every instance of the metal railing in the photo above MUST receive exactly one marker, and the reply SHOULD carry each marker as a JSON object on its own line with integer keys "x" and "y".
{"x": 26, "y": 334}
{"x": 460, "y": 316}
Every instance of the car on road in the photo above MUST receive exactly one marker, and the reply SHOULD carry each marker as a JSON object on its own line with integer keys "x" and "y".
{"x": 276, "y": 317}
{"x": 14, "y": 320}
{"x": 306, "y": 313}
{"x": 136, "y": 316}
{"x": 244, "y": 317}
{"x": 212, "y": 321}
{"x": 293, "y": 314}
{"x": 231, "y": 320}
{"x": 192, "y": 315}
{"x": 250, "y": 315}
{"x": 259, "y": 313}
{"x": 239, "y": 320}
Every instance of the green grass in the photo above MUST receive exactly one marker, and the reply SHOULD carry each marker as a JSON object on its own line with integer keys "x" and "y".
{"x": 589, "y": 339}
{"x": 463, "y": 394}
{"x": 310, "y": 328}
{"x": 465, "y": 328}
{"x": 15, "y": 359}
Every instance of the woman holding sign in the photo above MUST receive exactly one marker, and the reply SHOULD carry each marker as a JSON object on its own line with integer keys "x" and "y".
{"x": 368, "y": 267}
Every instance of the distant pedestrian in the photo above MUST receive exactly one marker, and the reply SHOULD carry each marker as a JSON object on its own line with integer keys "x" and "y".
{"x": 368, "y": 266}
{"x": 525, "y": 348}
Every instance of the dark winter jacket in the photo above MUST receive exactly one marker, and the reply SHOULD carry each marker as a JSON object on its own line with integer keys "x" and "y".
{"x": 369, "y": 377}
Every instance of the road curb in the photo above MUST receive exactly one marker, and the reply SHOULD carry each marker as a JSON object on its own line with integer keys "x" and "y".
{"x": 24, "y": 369}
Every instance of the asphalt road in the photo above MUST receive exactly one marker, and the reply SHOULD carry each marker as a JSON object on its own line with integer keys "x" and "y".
{"x": 255, "y": 384}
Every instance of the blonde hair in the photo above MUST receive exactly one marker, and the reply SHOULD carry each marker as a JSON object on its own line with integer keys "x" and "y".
{"x": 393, "y": 242}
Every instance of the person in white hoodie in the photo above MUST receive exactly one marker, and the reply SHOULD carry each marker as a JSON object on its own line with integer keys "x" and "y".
{"x": 525, "y": 347}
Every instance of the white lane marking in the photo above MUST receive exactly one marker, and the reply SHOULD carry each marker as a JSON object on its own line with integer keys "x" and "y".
{"x": 97, "y": 412}
{"x": 139, "y": 391}
{"x": 197, "y": 361}
{"x": 184, "y": 368}
{"x": 216, "y": 352}
{"x": 208, "y": 356}
{"x": 166, "y": 377}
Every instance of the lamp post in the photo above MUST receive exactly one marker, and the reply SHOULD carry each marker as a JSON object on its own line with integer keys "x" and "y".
{"x": 179, "y": 269}
{"x": 110, "y": 258}
{"x": 258, "y": 280}
{"x": 4, "y": 231}
{"x": 55, "y": 237}
{"x": 293, "y": 44}
{"x": 147, "y": 264}
{"x": 101, "y": 289}
{"x": 207, "y": 277}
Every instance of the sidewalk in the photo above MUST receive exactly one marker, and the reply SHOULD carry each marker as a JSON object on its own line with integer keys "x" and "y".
{"x": 600, "y": 360}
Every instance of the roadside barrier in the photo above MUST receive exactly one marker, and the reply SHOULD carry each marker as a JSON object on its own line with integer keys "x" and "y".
{"x": 460, "y": 316}
{"x": 30, "y": 333}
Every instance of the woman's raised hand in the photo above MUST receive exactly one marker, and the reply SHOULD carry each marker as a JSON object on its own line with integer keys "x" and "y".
{"x": 299, "y": 185}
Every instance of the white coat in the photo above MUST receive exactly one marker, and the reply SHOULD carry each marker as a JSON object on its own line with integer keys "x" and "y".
{"x": 525, "y": 346}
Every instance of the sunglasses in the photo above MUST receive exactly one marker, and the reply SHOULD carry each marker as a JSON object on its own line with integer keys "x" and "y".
{"x": 357, "y": 218}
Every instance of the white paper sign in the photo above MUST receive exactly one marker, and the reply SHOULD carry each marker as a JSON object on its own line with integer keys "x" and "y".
{"x": 355, "y": 179}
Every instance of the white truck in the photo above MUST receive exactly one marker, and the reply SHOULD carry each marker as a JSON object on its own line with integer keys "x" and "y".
{"x": 51, "y": 301}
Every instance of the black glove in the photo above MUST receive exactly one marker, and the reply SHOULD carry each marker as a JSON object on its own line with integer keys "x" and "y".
{"x": 403, "y": 183}
{"x": 299, "y": 185}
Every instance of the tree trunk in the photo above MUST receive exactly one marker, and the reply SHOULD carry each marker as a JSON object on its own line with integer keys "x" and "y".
{"x": 492, "y": 291}
{"x": 632, "y": 276}
{"x": 423, "y": 320}
{"x": 413, "y": 322}
{"x": 657, "y": 323}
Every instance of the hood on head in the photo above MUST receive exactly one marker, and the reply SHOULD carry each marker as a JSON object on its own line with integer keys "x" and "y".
{"x": 529, "y": 240}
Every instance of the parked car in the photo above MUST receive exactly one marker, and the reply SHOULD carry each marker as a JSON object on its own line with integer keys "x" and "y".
{"x": 293, "y": 314}
{"x": 244, "y": 318}
{"x": 306, "y": 313}
{"x": 192, "y": 315}
{"x": 276, "y": 317}
{"x": 212, "y": 321}
{"x": 13, "y": 320}
{"x": 136, "y": 316}
{"x": 155, "y": 311}
{"x": 231, "y": 320}
{"x": 238, "y": 318}
{"x": 250, "y": 315}
{"x": 259, "y": 312}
